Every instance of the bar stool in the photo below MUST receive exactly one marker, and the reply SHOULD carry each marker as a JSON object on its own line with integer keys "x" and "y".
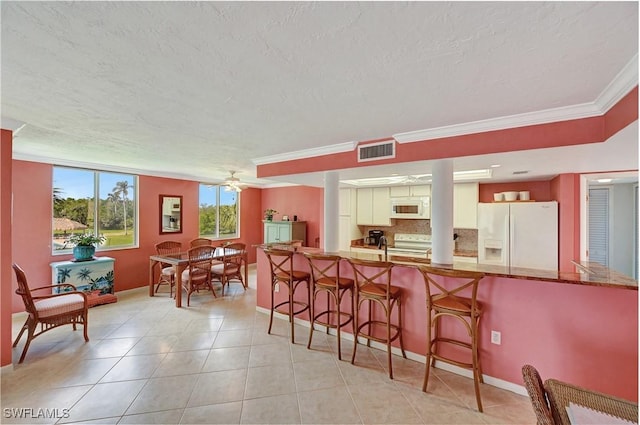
{"x": 443, "y": 302}
{"x": 282, "y": 272}
{"x": 373, "y": 285}
{"x": 325, "y": 278}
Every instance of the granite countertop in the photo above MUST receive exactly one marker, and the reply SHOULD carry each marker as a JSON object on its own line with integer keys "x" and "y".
{"x": 592, "y": 274}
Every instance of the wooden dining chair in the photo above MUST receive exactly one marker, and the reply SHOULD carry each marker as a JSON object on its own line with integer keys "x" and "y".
{"x": 48, "y": 310}
{"x": 197, "y": 275}
{"x": 230, "y": 268}
{"x": 200, "y": 242}
{"x": 167, "y": 271}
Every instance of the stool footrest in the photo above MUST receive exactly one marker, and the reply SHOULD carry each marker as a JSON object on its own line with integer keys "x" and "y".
{"x": 303, "y": 307}
{"x": 394, "y": 335}
{"x": 348, "y": 319}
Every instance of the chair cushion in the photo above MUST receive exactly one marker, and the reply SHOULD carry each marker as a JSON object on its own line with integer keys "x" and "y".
{"x": 219, "y": 269}
{"x": 297, "y": 275}
{"x": 59, "y": 305}
{"x": 326, "y": 282}
{"x": 168, "y": 271}
{"x": 456, "y": 304}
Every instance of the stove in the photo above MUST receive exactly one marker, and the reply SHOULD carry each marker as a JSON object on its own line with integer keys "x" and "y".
{"x": 410, "y": 245}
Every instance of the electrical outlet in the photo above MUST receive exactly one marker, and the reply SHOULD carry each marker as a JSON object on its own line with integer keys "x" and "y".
{"x": 276, "y": 287}
{"x": 496, "y": 337}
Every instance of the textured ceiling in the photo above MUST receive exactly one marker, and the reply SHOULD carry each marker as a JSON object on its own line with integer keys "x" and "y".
{"x": 195, "y": 89}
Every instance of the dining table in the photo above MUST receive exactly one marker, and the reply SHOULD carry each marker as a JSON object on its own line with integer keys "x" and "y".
{"x": 563, "y": 397}
{"x": 181, "y": 261}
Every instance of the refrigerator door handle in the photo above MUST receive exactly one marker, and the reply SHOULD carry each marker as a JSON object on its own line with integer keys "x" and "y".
{"x": 510, "y": 237}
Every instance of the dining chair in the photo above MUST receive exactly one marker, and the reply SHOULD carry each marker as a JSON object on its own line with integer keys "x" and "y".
{"x": 230, "y": 268}
{"x": 283, "y": 273}
{"x": 49, "y": 311}
{"x": 197, "y": 275}
{"x": 373, "y": 287}
{"x": 538, "y": 395}
{"x": 167, "y": 272}
{"x": 200, "y": 242}
{"x": 326, "y": 279}
{"x": 444, "y": 299}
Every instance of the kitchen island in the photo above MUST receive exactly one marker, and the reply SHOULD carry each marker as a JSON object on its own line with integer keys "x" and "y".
{"x": 577, "y": 327}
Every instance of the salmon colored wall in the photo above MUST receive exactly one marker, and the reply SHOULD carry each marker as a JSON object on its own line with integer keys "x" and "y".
{"x": 621, "y": 114}
{"x": 32, "y": 226}
{"x": 304, "y": 201}
{"x": 557, "y": 331}
{"x": 566, "y": 190}
{"x": 6, "y": 166}
{"x": 539, "y": 190}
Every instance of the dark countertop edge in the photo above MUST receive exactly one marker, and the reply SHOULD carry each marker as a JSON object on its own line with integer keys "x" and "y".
{"x": 602, "y": 276}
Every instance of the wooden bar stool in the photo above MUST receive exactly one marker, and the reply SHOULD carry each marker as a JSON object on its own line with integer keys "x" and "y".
{"x": 443, "y": 300}
{"x": 282, "y": 272}
{"x": 373, "y": 285}
{"x": 325, "y": 278}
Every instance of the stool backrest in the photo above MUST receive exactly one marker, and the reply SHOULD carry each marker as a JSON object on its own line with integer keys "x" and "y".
{"x": 280, "y": 263}
{"x": 324, "y": 266}
{"x": 366, "y": 272}
{"x": 461, "y": 279}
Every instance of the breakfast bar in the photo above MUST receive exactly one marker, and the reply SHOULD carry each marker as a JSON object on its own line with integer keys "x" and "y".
{"x": 579, "y": 327}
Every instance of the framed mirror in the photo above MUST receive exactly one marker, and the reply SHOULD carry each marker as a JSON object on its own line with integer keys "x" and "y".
{"x": 170, "y": 214}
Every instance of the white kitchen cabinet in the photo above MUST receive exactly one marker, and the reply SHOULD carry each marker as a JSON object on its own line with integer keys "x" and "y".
{"x": 465, "y": 205}
{"x": 284, "y": 231}
{"x": 373, "y": 206}
{"x": 347, "y": 227}
{"x": 407, "y": 191}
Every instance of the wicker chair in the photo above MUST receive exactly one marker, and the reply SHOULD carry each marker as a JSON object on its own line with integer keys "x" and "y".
{"x": 168, "y": 272}
{"x": 50, "y": 310}
{"x": 537, "y": 394}
{"x": 197, "y": 275}
{"x": 230, "y": 268}
{"x": 200, "y": 242}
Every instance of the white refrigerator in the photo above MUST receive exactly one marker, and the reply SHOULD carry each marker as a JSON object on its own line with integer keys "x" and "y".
{"x": 518, "y": 234}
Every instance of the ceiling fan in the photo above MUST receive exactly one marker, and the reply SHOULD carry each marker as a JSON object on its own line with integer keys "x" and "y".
{"x": 232, "y": 183}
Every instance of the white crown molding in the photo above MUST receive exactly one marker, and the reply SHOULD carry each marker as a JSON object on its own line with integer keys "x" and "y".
{"x": 622, "y": 84}
{"x": 306, "y": 153}
{"x": 10, "y": 124}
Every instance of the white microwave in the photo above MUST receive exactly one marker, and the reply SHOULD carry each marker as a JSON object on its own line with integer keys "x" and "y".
{"x": 417, "y": 207}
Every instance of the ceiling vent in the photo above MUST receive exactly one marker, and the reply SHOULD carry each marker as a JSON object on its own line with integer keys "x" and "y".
{"x": 376, "y": 151}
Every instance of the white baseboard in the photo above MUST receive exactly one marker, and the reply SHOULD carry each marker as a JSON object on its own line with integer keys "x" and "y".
{"x": 489, "y": 380}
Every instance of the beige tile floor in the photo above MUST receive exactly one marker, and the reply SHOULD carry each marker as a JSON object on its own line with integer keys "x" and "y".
{"x": 150, "y": 363}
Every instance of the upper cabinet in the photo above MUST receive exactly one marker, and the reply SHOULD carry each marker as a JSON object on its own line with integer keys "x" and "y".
{"x": 373, "y": 206}
{"x": 406, "y": 191}
{"x": 465, "y": 205}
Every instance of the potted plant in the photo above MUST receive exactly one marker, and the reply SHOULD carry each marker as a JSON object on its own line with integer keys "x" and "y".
{"x": 85, "y": 245}
{"x": 268, "y": 214}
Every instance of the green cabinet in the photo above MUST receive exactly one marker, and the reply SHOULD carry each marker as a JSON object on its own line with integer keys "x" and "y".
{"x": 284, "y": 231}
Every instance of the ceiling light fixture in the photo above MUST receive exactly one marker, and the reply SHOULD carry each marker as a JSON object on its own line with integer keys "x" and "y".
{"x": 232, "y": 183}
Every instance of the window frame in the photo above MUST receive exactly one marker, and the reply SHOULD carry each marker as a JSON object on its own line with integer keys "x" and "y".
{"x": 96, "y": 210}
{"x": 217, "y": 236}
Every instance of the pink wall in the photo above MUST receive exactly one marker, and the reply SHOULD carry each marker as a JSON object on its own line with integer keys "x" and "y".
{"x": 32, "y": 184}
{"x": 557, "y": 332}
{"x": 304, "y": 201}
{"x": 6, "y": 166}
{"x": 565, "y": 188}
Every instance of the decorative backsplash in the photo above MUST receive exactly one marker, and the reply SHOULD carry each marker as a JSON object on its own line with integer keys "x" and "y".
{"x": 467, "y": 238}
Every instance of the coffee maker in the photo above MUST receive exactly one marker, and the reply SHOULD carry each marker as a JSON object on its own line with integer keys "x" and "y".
{"x": 374, "y": 237}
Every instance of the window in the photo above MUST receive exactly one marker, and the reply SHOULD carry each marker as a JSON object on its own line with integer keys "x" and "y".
{"x": 87, "y": 201}
{"x": 218, "y": 212}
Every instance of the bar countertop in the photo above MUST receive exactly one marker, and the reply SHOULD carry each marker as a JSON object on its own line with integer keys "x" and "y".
{"x": 589, "y": 273}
